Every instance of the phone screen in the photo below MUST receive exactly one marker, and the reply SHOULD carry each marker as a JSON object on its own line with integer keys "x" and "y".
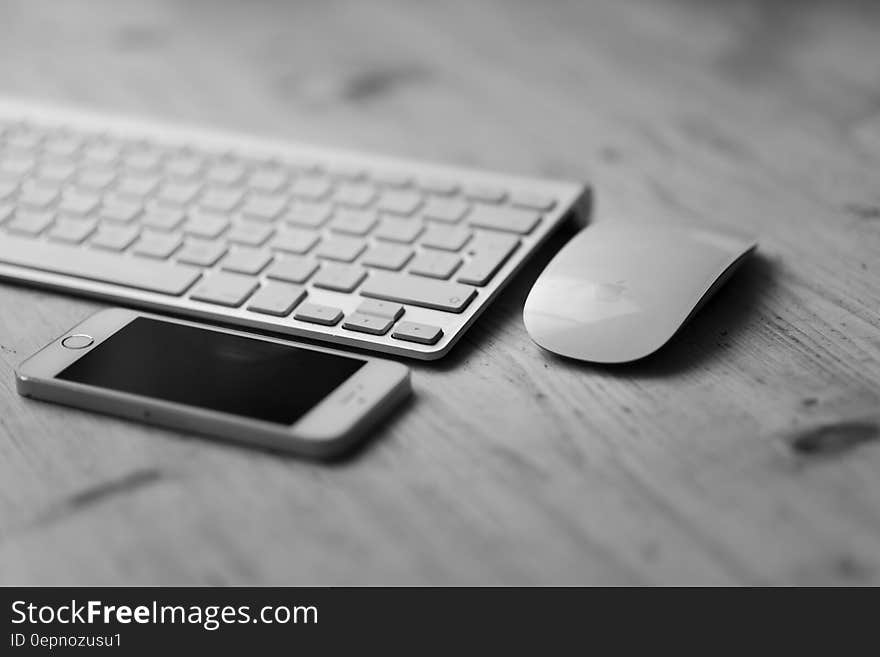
{"x": 213, "y": 370}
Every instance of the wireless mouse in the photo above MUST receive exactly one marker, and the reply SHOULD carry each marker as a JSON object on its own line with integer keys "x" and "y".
{"x": 619, "y": 291}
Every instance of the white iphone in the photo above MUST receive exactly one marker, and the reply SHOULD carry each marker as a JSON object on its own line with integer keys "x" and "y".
{"x": 208, "y": 380}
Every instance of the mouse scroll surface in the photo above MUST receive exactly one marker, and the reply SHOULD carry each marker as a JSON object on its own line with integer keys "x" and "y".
{"x": 617, "y": 292}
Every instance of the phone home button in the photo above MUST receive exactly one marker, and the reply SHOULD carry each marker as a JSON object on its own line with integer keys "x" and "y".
{"x": 78, "y": 341}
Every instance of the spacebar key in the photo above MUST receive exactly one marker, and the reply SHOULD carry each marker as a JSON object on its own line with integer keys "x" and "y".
{"x": 94, "y": 265}
{"x": 417, "y": 291}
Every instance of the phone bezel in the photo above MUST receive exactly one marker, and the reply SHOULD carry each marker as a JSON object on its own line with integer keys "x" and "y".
{"x": 328, "y": 427}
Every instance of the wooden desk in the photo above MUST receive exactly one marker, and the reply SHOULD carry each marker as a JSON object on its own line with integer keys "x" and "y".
{"x": 746, "y": 452}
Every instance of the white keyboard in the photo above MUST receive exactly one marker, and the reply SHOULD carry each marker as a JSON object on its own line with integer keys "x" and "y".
{"x": 367, "y": 251}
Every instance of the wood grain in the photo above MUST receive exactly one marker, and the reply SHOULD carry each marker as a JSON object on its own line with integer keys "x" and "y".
{"x": 745, "y": 452}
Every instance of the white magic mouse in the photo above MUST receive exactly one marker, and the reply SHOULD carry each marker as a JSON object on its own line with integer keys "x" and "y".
{"x": 619, "y": 291}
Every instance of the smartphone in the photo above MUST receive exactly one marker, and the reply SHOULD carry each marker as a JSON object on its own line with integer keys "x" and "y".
{"x": 217, "y": 382}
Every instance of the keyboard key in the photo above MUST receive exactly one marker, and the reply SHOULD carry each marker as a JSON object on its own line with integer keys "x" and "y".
{"x": 372, "y": 324}
{"x": 446, "y": 210}
{"x": 104, "y": 148}
{"x": 7, "y": 189}
{"x": 305, "y": 165}
{"x": 78, "y": 203}
{"x": 25, "y": 140}
{"x": 354, "y": 196}
{"x": 143, "y": 160}
{"x": 294, "y": 270}
{"x": 227, "y": 173}
{"x": 120, "y": 211}
{"x": 491, "y": 241}
{"x": 387, "y": 309}
{"x": 221, "y": 199}
{"x": 276, "y": 299}
{"x": 512, "y": 220}
{"x": 30, "y": 223}
{"x": 344, "y": 249}
{"x": 268, "y": 179}
{"x": 178, "y": 194}
{"x": 136, "y": 186}
{"x": 56, "y": 172}
{"x": 415, "y": 332}
{"x": 403, "y": 231}
{"x": 532, "y": 201}
{"x": 439, "y": 186}
{"x": 399, "y": 202}
{"x": 202, "y": 253}
{"x": 114, "y": 238}
{"x": 72, "y": 231}
{"x": 295, "y": 240}
{"x": 95, "y": 178}
{"x": 206, "y": 224}
{"x": 65, "y": 146}
{"x": 446, "y": 238}
{"x": 308, "y": 215}
{"x": 157, "y": 245}
{"x": 16, "y": 167}
{"x": 487, "y": 254}
{"x": 387, "y": 256}
{"x": 245, "y": 260}
{"x": 311, "y": 188}
{"x": 265, "y": 207}
{"x": 435, "y": 264}
{"x": 485, "y": 193}
{"x": 418, "y": 291}
{"x": 353, "y": 222}
{"x": 166, "y": 219}
{"x": 317, "y": 314}
{"x": 224, "y": 289}
{"x": 250, "y": 233}
{"x": 184, "y": 167}
{"x": 347, "y": 171}
{"x": 392, "y": 179}
{"x": 38, "y": 197}
{"x": 340, "y": 278}
{"x": 105, "y": 267}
